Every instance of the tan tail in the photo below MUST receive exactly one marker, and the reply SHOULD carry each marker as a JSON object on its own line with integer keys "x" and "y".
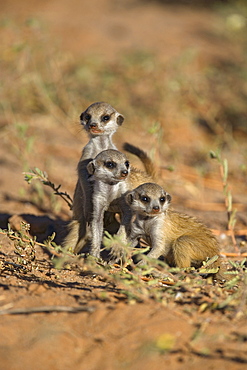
{"x": 147, "y": 162}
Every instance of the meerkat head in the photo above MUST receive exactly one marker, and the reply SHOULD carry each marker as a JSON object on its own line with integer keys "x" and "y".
{"x": 101, "y": 119}
{"x": 148, "y": 199}
{"x": 110, "y": 166}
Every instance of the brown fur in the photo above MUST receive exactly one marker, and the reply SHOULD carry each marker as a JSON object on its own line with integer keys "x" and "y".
{"x": 183, "y": 240}
{"x": 147, "y": 162}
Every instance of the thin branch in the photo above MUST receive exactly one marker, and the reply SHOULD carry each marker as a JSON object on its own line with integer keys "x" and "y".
{"x": 45, "y": 309}
{"x": 37, "y": 174}
{"x": 6, "y": 263}
{"x": 237, "y": 254}
{"x": 240, "y": 232}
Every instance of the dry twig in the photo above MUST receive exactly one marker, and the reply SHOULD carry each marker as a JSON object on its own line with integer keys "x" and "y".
{"x": 45, "y": 309}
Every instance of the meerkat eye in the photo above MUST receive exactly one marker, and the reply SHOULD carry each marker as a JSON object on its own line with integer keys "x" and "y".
{"x": 162, "y": 199}
{"x": 106, "y": 118}
{"x": 110, "y": 164}
{"x": 127, "y": 164}
{"x": 144, "y": 198}
{"x": 86, "y": 117}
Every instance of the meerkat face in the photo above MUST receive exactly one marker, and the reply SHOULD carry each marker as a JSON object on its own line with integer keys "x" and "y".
{"x": 148, "y": 200}
{"x": 109, "y": 166}
{"x": 101, "y": 119}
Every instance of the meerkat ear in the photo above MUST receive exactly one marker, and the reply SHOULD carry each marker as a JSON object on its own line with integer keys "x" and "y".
{"x": 90, "y": 168}
{"x": 120, "y": 119}
{"x": 82, "y": 121}
{"x": 168, "y": 197}
{"x": 129, "y": 198}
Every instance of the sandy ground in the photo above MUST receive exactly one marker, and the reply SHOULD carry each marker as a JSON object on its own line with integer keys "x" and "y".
{"x": 106, "y": 330}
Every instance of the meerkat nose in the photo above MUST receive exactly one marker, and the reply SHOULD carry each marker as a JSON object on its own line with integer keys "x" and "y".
{"x": 92, "y": 124}
{"x": 124, "y": 173}
{"x": 156, "y": 208}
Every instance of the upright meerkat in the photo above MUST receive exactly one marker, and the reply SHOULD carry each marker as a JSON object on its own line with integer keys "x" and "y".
{"x": 111, "y": 177}
{"x": 109, "y": 172}
{"x": 100, "y": 120}
{"x": 181, "y": 239}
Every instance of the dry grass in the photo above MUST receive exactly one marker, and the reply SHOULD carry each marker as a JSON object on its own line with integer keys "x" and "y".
{"x": 211, "y": 99}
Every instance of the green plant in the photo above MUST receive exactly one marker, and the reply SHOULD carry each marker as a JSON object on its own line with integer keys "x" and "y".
{"x": 231, "y": 212}
{"x": 37, "y": 174}
{"x": 25, "y": 250}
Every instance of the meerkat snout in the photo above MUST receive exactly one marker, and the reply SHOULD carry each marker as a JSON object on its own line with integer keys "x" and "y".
{"x": 156, "y": 209}
{"x": 124, "y": 173}
{"x": 92, "y": 125}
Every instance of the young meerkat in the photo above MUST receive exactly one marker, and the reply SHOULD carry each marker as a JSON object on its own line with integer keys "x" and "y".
{"x": 182, "y": 239}
{"x": 100, "y": 120}
{"x": 109, "y": 172}
{"x": 111, "y": 176}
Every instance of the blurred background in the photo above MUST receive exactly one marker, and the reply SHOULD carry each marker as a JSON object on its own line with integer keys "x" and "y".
{"x": 175, "y": 69}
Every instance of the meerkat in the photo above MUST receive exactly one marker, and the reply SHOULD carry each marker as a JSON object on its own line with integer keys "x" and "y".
{"x": 182, "y": 239}
{"x": 111, "y": 176}
{"x": 100, "y": 120}
{"x": 109, "y": 172}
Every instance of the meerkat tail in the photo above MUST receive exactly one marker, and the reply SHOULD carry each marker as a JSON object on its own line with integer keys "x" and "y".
{"x": 147, "y": 162}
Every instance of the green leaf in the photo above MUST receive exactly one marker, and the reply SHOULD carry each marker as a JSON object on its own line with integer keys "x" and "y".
{"x": 225, "y": 170}
{"x": 212, "y": 154}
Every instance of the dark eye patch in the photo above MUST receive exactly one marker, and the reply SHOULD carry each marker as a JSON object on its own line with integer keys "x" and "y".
{"x": 127, "y": 164}
{"x": 110, "y": 164}
{"x": 106, "y": 118}
{"x": 144, "y": 198}
{"x": 86, "y": 117}
{"x": 162, "y": 199}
